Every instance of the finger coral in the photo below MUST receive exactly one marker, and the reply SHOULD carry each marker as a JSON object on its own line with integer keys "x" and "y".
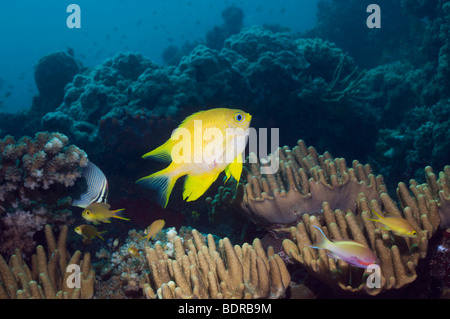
{"x": 309, "y": 190}
{"x": 34, "y": 177}
{"x": 207, "y": 271}
{"x": 398, "y": 257}
{"x": 51, "y": 273}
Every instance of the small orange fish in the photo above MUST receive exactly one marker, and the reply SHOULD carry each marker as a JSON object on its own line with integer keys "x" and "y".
{"x": 397, "y": 225}
{"x": 154, "y": 229}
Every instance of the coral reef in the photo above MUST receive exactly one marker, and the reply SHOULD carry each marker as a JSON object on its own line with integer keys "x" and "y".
{"x": 182, "y": 265}
{"x": 256, "y": 69}
{"x": 51, "y": 73}
{"x": 125, "y": 265}
{"x": 34, "y": 177}
{"x": 207, "y": 271}
{"x": 49, "y": 276}
{"x": 310, "y": 189}
{"x": 398, "y": 256}
{"x": 303, "y": 181}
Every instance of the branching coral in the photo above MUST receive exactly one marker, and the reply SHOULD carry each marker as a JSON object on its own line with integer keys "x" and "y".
{"x": 34, "y": 176}
{"x": 343, "y": 85}
{"x": 49, "y": 276}
{"x": 207, "y": 271}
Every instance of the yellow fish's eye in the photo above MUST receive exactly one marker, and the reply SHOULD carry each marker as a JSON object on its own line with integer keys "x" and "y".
{"x": 239, "y": 117}
{"x": 88, "y": 212}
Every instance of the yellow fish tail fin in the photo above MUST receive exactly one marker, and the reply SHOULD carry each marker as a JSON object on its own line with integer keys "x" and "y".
{"x": 162, "y": 153}
{"x": 163, "y": 182}
{"x": 120, "y": 217}
{"x": 321, "y": 240}
{"x": 117, "y": 210}
{"x": 100, "y": 234}
{"x": 117, "y": 216}
{"x": 196, "y": 185}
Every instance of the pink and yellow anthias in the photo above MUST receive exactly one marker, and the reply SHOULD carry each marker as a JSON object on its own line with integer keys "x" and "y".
{"x": 350, "y": 251}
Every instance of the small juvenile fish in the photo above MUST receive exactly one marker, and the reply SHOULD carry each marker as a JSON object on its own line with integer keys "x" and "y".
{"x": 154, "y": 229}
{"x": 397, "y": 225}
{"x": 350, "y": 251}
{"x": 89, "y": 232}
{"x": 133, "y": 251}
{"x": 100, "y": 213}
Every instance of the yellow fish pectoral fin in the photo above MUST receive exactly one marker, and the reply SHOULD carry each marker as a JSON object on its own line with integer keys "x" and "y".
{"x": 234, "y": 169}
{"x": 196, "y": 185}
{"x": 163, "y": 182}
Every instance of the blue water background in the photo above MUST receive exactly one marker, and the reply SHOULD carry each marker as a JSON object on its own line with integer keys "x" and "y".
{"x": 31, "y": 29}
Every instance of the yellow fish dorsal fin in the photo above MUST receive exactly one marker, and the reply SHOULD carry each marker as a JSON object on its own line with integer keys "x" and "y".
{"x": 101, "y": 204}
{"x": 162, "y": 152}
{"x": 196, "y": 185}
{"x": 378, "y": 215}
{"x": 190, "y": 118}
{"x": 234, "y": 169}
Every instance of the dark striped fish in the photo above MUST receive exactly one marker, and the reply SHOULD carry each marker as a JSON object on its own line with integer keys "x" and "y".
{"x": 97, "y": 187}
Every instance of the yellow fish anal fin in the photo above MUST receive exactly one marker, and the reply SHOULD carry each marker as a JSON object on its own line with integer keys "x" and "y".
{"x": 234, "y": 169}
{"x": 196, "y": 185}
{"x": 163, "y": 182}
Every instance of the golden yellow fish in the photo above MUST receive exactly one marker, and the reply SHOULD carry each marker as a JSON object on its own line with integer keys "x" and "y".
{"x": 99, "y": 213}
{"x": 154, "y": 229}
{"x": 397, "y": 225}
{"x": 205, "y": 144}
{"x": 89, "y": 232}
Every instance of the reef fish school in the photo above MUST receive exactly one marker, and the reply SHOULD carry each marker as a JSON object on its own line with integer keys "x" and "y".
{"x": 253, "y": 308}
